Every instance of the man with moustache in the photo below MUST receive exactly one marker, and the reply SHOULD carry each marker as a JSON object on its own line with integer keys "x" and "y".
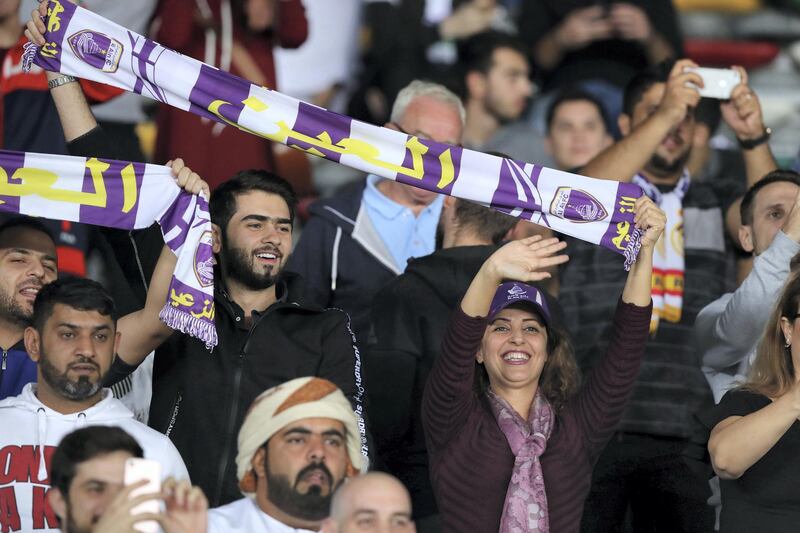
{"x": 27, "y": 261}
{"x": 72, "y": 338}
{"x": 643, "y": 468}
{"x": 298, "y": 443}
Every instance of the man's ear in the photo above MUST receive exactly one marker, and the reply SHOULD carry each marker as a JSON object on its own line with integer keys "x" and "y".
{"x": 32, "y": 343}
{"x": 216, "y": 238}
{"x": 746, "y": 238}
{"x": 258, "y": 462}
{"x": 476, "y": 84}
{"x": 479, "y": 357}
{"x": 58, "y": 503}
{"x": 624, "y": 123}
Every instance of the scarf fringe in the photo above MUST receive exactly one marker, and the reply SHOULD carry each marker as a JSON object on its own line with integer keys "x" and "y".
{"x": 28, "y": 55}
{"x": 632, "y": 250}
{"x": 190, "y": 325}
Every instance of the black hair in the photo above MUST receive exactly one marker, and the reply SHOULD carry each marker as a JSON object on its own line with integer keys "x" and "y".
{"x": 476, "y": 54}
{"x": 776, "y": 176}
{"x": 222, "y": 205}
{"x": 708, "y": 112}
{"x": 489, "y": 224}
{"x": 78, "y": 293}
{"x": 642, "y": 81}
{"x": 26, "y": 222}
{"x": 83, "y": 445}
{"x": 577, "y": 94}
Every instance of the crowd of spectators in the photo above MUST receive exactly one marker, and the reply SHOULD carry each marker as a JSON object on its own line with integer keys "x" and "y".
{"x": 389, "y": 358}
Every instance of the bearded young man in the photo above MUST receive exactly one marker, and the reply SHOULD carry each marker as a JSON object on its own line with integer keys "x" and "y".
{"x": 267, "y": 333}
{"x": 72, "y": 339}
{"x": 298, "y": 444}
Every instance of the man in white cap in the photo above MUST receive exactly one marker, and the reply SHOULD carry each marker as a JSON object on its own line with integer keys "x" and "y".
{"x": 298, "y": 443}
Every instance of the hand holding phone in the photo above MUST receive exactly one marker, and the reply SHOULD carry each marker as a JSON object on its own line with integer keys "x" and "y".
{"x": 150, "y": 471}
{"x": 718, "y": 82}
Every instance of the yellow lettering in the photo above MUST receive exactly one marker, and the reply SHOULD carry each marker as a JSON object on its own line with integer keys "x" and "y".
{"x": 207, "y": 312}
{"x": 622, "y": 235}
{"x": 38, "y": 182}
{"x": 448, "y": 170}
{"x": 255, "y": 104}
{"x": 54, "y": 21}
{"x": 347, "y": 146}
{"x": 49, "y": 49}
{"x": 626, "y": 204}
{"x": 128, "y": 188}
{"x": 183, "y": 299}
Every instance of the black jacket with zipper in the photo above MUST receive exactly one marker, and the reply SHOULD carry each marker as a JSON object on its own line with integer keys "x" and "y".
{"x": 200, "y": 398}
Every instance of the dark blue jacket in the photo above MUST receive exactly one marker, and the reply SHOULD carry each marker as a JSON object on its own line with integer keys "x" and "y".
{"x": 341, "y": 257}
{"x": 16, "y": 370}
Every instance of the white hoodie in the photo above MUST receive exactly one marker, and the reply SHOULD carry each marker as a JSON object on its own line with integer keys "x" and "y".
{"x": 26, "y": 425}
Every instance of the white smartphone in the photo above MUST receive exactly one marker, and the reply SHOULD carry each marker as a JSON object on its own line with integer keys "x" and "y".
{"x": 719, "y": 82}
{"x": 137, "y": 470}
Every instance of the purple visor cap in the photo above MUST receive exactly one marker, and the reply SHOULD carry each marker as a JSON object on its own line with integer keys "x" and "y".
{"x": 513, "y": 292}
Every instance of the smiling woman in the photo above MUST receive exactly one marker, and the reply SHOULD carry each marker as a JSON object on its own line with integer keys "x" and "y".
{"x": 512, "y": 438}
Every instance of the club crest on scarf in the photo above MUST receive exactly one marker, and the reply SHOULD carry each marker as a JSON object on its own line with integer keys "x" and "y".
{"x": 577, "y": 205}
{"x": 204, "y": 261}
{"x": 95, "y": 49}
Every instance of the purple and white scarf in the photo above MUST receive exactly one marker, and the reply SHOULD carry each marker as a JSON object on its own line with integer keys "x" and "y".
{"x": 525, "y": 507}
{"x": 86, "y": 45}
{"x": 124, "y": 195}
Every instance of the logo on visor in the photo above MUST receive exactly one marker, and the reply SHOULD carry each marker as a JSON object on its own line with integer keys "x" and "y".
{"x": 516, "y": 292}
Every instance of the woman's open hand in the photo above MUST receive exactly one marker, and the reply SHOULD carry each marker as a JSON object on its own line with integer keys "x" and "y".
{"x": 526, "y": 259}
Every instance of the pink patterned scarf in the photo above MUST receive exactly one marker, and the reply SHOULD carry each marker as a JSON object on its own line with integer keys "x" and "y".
{"x": 525, "y": 508}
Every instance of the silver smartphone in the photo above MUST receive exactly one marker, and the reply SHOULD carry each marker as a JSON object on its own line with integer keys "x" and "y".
{"x": 137, "y": 470}
{"x": 718, "y": 82}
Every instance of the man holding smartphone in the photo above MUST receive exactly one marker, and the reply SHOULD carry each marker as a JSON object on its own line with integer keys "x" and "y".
{"x": 643, "y": 467}
{"x": 88, "y": 493}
